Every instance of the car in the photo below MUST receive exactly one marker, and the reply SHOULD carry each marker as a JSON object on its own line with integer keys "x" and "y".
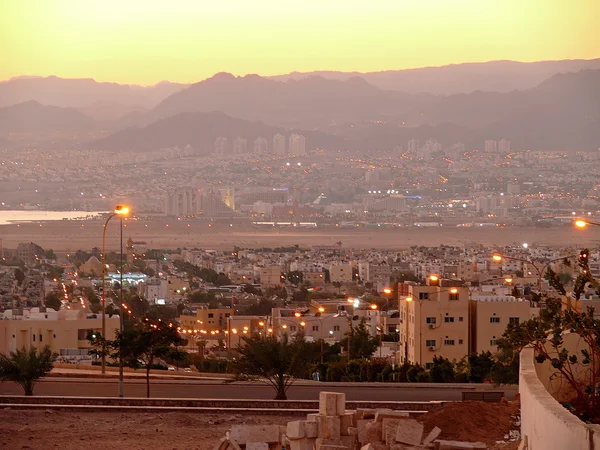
{"x": 187, "y": 369}
{"x": 171, "y": 369}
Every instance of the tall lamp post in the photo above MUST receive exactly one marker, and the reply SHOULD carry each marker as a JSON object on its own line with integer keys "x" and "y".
{"x": 580, "y": 223}
{"x": 121, "y": 211}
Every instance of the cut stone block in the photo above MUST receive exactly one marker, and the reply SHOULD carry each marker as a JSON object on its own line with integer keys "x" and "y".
{"x": 363, "y": 413}
{"x": 257, "y": 446}
{"x": 373, "y": 432}
{"x": 312, "y": 417}
{"x": 346, "y": 421}
{"x": 328, "y": 403}
{"x": 459, "y": 445}
{"x": 361, "y": 425}
{"x": 255, "y": 433}
{"x": 311, "y": 429}
{"x": 367, "y": 447}
{"x": 349, "y": 441}
{"x": 329, "y": 427}
{"x": 352, "y": 431}
{"x": 320, "y": 442}
{"x": 382, "y": 414}
{"x": 340, "y": 404}
{"x": 410, "y": 432}
{"x": 302, "y": 444}
{"x": 407, "y": 447}
{"x": 432, "y": 436}
{"x": 389, "y": 429}
{"x": 296, "y": 429}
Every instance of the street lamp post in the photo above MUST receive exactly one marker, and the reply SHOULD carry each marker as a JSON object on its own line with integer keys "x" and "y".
{"x": 118, "y": 211}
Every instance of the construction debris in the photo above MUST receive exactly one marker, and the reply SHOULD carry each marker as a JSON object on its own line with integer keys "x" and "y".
{"x": 334, "y": 428}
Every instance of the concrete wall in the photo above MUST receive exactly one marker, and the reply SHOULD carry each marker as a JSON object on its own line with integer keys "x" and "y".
{"x": 545, "y": 422}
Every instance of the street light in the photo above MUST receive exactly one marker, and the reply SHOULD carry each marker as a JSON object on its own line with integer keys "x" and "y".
{"x": 580, "y": 223}
{"x": 121, "y": 211}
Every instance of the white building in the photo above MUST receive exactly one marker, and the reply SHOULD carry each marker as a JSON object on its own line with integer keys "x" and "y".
{"x": 221, "y": 145}
{"x": 297, "y": 144}
{"x": 261, "y": 146}
{"x": 491, "y": 146}
{"x": 239, "y": 146}
{"x": 279, "y": 144}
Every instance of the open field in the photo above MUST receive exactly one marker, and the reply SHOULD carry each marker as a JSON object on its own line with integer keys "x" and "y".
{"x": 73, "y": 235}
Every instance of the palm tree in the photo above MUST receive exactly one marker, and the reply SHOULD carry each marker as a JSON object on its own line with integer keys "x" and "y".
{"x": 26, "y": 366}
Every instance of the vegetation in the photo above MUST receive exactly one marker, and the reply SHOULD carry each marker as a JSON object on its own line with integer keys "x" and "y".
{"x": 52, "y": 300}
{"x": 277, "y": 361}
{"x": 362, "y": 344}
{"x": 26, "y": 366}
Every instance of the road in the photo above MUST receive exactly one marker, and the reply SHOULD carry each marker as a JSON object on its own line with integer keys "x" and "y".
{"x": 216, "y": 389}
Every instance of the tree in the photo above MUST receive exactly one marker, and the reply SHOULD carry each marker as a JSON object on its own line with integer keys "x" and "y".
{"x": 49, "y": 254}
{"x": 362, "y": 344}
{"x": 277, "y": 361}
{"x": 146, "y": 343}
{"x": 480, "y": 366}
{"x": 52, "y": 301}
{"x": 545, "y": 333}
{"x": 100, "y": 345}
{"x": 26, "y": 366}
{"x": 19, "y": 276}
{"x": 442, "y": 370}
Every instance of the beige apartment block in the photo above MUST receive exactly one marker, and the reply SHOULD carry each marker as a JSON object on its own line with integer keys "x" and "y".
{"x": 207, "y": 319}
{"x": 270, "y": 276}
{"x": 62, "y": 330}
{"x": 340, "y": 272}
{"x": 434, "y": 322}
{"x": 490, "y": 315}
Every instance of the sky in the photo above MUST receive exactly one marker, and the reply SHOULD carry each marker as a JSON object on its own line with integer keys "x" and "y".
{"x": 146, "y": 41}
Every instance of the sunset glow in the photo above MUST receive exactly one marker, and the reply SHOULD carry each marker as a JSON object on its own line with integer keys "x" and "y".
{"x": 140, "y": 41}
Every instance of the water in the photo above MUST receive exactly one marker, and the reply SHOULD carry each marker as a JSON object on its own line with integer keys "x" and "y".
{"x": 7, "y": 217}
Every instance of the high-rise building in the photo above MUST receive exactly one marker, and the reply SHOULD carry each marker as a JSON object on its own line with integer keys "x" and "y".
{"x": 261, "y": 146}
{"x": 279, "y": 144}
{"x": 412, "y": 145}
{"x": 504, "y": 146}
{"x": 221, "y": 145}
{"x": 297, "y": 144}
{"x": 491, "y": 146}
{"x": 239, "y": 146}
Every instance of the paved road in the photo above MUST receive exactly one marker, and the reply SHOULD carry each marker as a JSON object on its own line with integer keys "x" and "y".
{"x": 185, "y": 389}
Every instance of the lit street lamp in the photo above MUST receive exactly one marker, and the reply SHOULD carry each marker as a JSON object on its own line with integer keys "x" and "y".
{"x": 121, "y": 211}
{"x": 580, "y": 223}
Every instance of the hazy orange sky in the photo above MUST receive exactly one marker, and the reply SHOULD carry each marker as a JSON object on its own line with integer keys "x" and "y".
{"x": 145, "y": 41}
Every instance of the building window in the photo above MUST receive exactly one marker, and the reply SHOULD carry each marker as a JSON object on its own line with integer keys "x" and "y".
{"x": 34, "y": 338}
{"x": 452, "y": 296}
{"x": 449, "y": 319}
{"x": 460, "y": 341}
{"x": 423, "y": 295}
{"x": 460, "y": 319}
{"x": 40, "y": 338}
{"x": 293, "y": 327}
{"x": 431, "y": 320}
{"x": 227, "y": 314}
{"x": 336, "y": 328}
{"x": 513, "y": 320}
{"x": 493, "y": 342}
{"x": 448, "y": 341}
{"x": 315, "y": 328}
{"x": 211, "y": 316}
{"x": 430, "y": 342}
{"x": 494, "y": 319}
{"x": 54, "y": 336}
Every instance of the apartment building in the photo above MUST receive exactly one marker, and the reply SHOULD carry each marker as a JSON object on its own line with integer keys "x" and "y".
{"x": 434, "y": 322}
{"x": 340, "y": 272}
{"x": 270, "y": 275}
{"x": 207, "y": 319}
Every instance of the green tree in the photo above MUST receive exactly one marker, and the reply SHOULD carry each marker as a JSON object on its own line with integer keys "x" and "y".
{"x": 100, "y": 345}
{"x": 147, "y": 343}
{"x": 52, "y": 300}
{"x": 442, "y": 370}
{"x": 19, "y": 276}
{"x": 49, "y": 254}
{"x": 26, "y": 366}
{"x": 362, "y": 344}
{"x": 275, "y": 360}
{"x": 480, "y": 366}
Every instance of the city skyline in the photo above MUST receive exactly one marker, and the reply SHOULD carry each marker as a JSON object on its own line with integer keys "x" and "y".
{"x": 128, "y": 43}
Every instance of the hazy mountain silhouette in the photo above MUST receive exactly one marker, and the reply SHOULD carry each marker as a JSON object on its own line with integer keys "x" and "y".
{"x": 108, "y": 111}
{"x": 32, "y": 117}
{"x": 313, "y": 102}
{"x": 200, "y": 129}
{"x": 81, "y": 92}
{"x": 493, "y": 76}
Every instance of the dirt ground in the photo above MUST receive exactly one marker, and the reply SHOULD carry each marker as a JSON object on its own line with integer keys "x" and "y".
{"x": 71, "y": 235}
{"x": 44, "y": 429}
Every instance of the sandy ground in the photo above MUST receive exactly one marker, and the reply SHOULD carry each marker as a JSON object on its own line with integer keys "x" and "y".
{"x": 71, "y": 236}
{"x": 107, "y": 430}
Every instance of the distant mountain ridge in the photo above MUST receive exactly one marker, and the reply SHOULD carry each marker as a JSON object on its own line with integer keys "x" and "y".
{"x": 491, "y": 76}
{"x": 33, "y": 118}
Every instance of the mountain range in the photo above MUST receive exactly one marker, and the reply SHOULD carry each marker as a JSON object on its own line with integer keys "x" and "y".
{"x": 562, "y": 112}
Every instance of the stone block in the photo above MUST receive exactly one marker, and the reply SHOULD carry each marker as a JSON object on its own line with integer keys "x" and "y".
{"x": 257, "y": 446}
{"x": 367, "y": 447}
{"x": 333, "y": 447}
{"x": 389, "y": 429}
{"x": 352, "y": 431}
{"x": 409, "y": 432}
{"x": 346, "y": 421}
{"x": 384, "y": 414}
{"x": 311, "y": 429}
{"x": 340, "y": 404}
{"x": 459, "y": 445}
{"x": 349, "y": 441}
{"x": 296, "y": 429}
{"x": 255, "y": 433}
{"x": 432, "y": 436}
{"x": 379, "y": 446}
{"x": 364, "y": 413}
{"x": 361, "y": 426}
{"x": 320, "y": 442}
{"x": 373, "y": 432}
{"x": 329, "y": 427}
{"x": 406, "y": 447}
{"x": 328, "y": 403}
{"x": 312, "y": 417}
{"x": 302, "y": 444}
